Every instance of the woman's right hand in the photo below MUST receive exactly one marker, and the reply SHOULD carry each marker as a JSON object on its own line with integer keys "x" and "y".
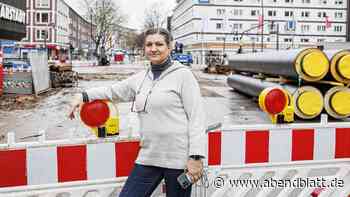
{"x": 75, "y": 104}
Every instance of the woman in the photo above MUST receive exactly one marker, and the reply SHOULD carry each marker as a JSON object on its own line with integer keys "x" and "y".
{"x": 169, "y": 105}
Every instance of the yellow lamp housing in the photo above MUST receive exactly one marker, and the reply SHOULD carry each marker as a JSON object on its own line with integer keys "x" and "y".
{"x": 308, "y": 102}
{"x": 337, "y": 102}
{"x": 111, "y": 127}
{"x": 288, "y": 114}
{"x": 339, "y": 66}
{"x": 274, "y": 101}
{"x": 311, "y": 65}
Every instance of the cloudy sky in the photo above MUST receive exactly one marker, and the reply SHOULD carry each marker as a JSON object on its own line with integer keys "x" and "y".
{"x": 134, "y": 9}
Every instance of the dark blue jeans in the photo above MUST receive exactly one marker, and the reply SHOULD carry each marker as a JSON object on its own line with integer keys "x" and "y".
{"x": 143, "y": 180}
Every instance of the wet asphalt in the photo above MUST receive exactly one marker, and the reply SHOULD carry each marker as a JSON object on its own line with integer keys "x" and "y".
{"x": 222, "y": 105}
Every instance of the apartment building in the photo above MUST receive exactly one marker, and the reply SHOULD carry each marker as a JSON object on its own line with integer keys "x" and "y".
{"x": 121, "y": 38}
{"x": 47, "y": 26}
{"x": 80, "y": 31}
{"x": 225, "y": 25}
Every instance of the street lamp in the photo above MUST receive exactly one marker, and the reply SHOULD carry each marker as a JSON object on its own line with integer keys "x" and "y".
{"x": 253, "y": 43}
{"x": 262, "y": 25}
{"x": 90, "y": 10}
{"x": 90, "y": 28}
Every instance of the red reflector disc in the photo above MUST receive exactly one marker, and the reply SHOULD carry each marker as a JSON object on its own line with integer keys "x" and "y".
{"x": 275, "y": 101}
{"x": 94, "y": 113}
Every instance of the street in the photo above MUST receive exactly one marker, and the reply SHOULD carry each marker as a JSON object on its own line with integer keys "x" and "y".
{"x": 49, "y": 110}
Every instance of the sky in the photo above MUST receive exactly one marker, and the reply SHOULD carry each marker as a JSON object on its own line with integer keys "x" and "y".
{"x": 134, "y": 9}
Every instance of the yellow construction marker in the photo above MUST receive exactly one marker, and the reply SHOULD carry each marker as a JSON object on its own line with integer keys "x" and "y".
{"x": 315, "y": 64}
{"x": 112, "y": 124}
{"x": 340, "y": 66}
{"x": 274, "y": 101}
{"x": 312, "y": 65}
{"x": 308, "y": 102}
{"x": 337, "y": 102}
{"x": 344, "y": 66}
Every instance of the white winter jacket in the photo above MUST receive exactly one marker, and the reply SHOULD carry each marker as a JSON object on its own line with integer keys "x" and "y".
{"x": 173, "y": 122}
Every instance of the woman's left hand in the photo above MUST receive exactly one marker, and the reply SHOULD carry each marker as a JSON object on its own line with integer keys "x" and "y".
{"x": 195, "y": 169}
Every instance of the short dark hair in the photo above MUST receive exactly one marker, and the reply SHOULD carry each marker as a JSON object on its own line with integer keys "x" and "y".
{"x": 161, "y": 31}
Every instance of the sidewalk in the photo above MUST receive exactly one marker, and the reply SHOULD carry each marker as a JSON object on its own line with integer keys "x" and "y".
{"x": 84, "y": 63}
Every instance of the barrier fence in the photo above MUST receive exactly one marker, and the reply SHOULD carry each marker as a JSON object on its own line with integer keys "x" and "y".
{"x": 244, "y": 160}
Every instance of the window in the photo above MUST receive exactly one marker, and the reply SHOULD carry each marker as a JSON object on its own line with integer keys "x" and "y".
{"x": 321, "y": 27}
{"x": 41, "y": 34}
{"x": 323, "y": 1}
{"x": 340, "y": 40}
{"x": 237, "y": 26}
{"x": 321, "y": 14}
{"x": 287, "y": 40}
{"x": 321, "y": 40}
{"x": 288, "y": 13}
{"x": 238, "y": 0}
{"x": 268, "y": 39}
{"x": 42, "y": 3}
{"x": 304, "y": 40}
{"x": 219, "y": 25}
{"x": 42, "y": 17}
{"x": 290, "y": 25}
{"x": 306, "y": 1}
{"x": 338, "y": 2}
{"x": 271, "y": 13}
{"x": 237, "y": 12}
{"x": 289, "y": 1}
{"x": 338, "y": 15}
{"x": 235, "y": 38}
{"x": 305, "y": 28}
{"x": 254, "y": 12}
{"x": 338, "y": 28}
{"x": 220, "y": 12}
{"x": 305, "y": 14}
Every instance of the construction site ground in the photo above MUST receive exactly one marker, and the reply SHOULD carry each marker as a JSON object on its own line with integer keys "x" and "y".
{"x": 27, "y": 115}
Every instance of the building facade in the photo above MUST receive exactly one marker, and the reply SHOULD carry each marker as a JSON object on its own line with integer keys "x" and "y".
{"x": 12, "y": 19}
{"x": 47, "y": 26}
{"x": 80, "y": 31}
{"x": 225, "y": 25}
{"x": 121, "y": 38}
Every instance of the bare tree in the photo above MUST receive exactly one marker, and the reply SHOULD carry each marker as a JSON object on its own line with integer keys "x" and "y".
{"x": 131, "y": 40}
{"x": 107, "y": 17}
{"x": 155, "y": 15}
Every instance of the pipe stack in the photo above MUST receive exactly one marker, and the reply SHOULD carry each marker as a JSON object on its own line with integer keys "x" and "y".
{"x": 337, "y": 98}
{"x": 307, "y": 100}
{"x": 310, "y": 66}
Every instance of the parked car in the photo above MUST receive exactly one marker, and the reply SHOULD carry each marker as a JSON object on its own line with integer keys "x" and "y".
{"x": 183, "y": 58}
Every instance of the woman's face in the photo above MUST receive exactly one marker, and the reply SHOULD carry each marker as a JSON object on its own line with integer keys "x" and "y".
{"x": 156, "y": 49}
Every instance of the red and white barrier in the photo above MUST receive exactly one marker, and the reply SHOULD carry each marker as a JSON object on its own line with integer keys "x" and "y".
{"x": 65, "y": 163}
{"x": 240, "y": 146}
{"x": 44, "y": 164}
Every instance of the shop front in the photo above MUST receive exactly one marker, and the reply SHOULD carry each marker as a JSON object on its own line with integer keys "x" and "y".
{"x": 12, "y": 28}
